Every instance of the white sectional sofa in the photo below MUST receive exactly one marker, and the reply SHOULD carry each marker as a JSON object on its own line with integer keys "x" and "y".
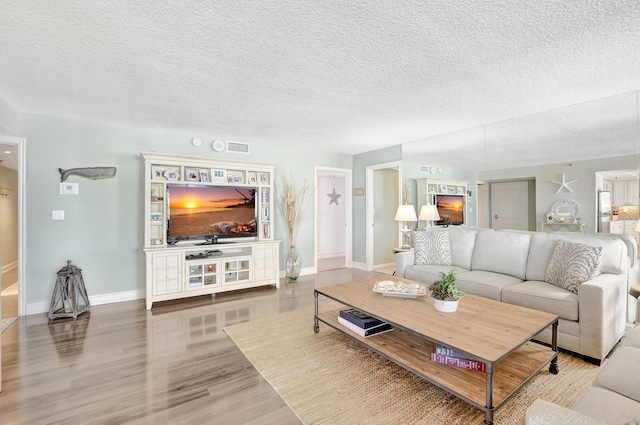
{"x": 510, "y": 266}
{"x": 614, "y": 398}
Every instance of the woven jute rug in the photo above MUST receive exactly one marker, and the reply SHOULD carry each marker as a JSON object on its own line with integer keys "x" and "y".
{"x": 328, "y": 378}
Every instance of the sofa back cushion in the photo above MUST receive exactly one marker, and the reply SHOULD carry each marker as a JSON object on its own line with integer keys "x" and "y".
{"x": 614, "y": 252}
{"x": 502, "y": 252}
{"x": 462, "y": 241}
{"x": 432, "y": 248}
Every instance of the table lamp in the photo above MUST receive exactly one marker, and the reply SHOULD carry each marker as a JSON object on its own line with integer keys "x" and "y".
{"x": 406, "y": 213}
{"x": 429, "y": 213}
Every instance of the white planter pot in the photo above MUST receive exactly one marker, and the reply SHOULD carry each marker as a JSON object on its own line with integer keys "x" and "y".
{"x": 445, "y": 306}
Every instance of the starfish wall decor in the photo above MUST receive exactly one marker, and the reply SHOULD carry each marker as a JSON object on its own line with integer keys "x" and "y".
{"x": 564, "y": 183}
{"x": 334, "y": 197}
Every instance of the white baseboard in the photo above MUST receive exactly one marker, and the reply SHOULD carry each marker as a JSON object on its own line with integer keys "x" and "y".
{"x": 384, "y": 266}
{"x": 116, "y": 297}
{"x": 360, "y": 266}
{"x": 332, "y": 255}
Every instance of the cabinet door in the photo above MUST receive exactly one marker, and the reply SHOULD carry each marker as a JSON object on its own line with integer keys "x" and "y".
{"x": 632, "y": 192}
{"x": 265, "y": 258}
{"x": 630, "y": 227}
{"x": 166, "y": 273}
{"x": 619, "y": 193}
{"x": 616, "y": 227}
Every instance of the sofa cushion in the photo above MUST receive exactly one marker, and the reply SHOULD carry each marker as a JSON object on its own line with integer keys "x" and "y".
{"x": 543, "y": 296}
{"x": 502, "y": 252}
{"x": 462, "y": 241}
{"x": 572, "y": 264}
{"x": 432, "y": 248}
{"x": 485, "y": 284}
{"x": 606, "y": 406}
{"x": 615, "y": 374}
{"x": 428, "y": 274}
{"x": 540, "y": 252}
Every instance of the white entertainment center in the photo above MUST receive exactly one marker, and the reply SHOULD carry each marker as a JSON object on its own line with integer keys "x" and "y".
{"x": 180, "y": 269}
{"x": 430, "y": 190}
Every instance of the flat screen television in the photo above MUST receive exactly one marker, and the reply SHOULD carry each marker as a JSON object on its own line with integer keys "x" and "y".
{"x": 199, "y": 212}
{"x": 450, "y": 209}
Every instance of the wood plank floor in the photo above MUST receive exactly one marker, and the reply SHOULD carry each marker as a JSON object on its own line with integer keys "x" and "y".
{"x": 122, "y": 364}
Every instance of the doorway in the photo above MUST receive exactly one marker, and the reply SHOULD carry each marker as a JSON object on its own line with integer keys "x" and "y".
{"x": 333, "y": 218}
{"x": 383, "y": 195}
{"x": 11, "y": 229}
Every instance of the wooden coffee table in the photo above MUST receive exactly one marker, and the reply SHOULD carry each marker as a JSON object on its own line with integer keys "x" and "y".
{"x": 497, "y": 334}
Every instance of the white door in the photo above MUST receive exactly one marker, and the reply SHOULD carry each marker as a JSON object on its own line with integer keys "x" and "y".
{"x": 385, "y": 228}
{"x": 331, "y": 221}
{"x": 510, "y": 206}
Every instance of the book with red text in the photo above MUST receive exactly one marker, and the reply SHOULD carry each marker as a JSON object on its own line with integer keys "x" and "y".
{"x": 458, "y": 362}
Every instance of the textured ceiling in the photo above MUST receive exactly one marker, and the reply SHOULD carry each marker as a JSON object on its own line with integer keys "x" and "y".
{"x": 348, "y": 76}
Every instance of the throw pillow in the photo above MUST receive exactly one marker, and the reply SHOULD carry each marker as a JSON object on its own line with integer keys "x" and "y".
{"x": 573, "y": 263}
{"x": 432, "y": 248}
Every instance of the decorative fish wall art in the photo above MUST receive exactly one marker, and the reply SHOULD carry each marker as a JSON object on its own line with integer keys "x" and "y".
{"x": 93, "y": 173}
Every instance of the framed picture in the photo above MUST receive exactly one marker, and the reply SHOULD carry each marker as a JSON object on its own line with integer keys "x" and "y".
{"x": 460, "y": 190}
{"x": 155, "y": 217}
{"x": 443, "y": 188}
{"x": 218, "y": 175}
{"x": 192, "y": 174}
{"x": 204, "y": 176}
{"x": 235, "y": 177}
{"x": 157, "y": 173}
{"x": 263, "y": 178}
{"x": 252, "y": 177}
{"x": 432, "y": 189}
{"x": 452, "y": 190}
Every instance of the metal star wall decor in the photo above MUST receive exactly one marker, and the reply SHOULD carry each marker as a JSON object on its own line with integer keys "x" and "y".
{"x": 564, "y": 184}
{"x": 334, "y": 197}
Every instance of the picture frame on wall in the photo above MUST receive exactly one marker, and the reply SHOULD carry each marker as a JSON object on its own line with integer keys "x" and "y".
{"x": 452, "y": 190}
{"x": 204, "y": 176}
{"x": 192, "y": 174}
{"x": 252, "y": 177}
{"x": 263, "y": 178}
{"x": 155, "y": 217}
{"x": 443, "y": 188}
{"x": 218, "y": 175}
{"x": 460, "y": 190}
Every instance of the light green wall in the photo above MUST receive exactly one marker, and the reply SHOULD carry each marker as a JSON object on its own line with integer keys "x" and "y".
{"x": 103, "y": 226}
{"x": 584, "y": 189}
{"x": 8, "y": 119}
{"x": 411, "y": 172}
{"x": 360, "y": 164}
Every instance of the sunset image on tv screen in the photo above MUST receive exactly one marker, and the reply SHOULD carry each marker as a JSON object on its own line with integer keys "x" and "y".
{"x": 450, "y": 209}
{"x": 212, "y": 210}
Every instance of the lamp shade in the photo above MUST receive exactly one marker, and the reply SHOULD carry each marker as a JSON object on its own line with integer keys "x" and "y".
{"x": 429, "y": 212}
{"x": 406, "y": 213}
{"x": 637, "y": 229}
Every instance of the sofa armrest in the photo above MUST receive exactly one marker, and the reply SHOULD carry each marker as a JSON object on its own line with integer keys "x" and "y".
{"x": 403, "y": 260}
{"x": 543, "y": 412}
{"x": 602, "y": 310}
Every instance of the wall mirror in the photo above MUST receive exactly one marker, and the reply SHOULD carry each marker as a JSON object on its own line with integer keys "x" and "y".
{"x": 564, "y": 211}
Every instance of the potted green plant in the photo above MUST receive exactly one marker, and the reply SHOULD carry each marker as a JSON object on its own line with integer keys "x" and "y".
{"x": 445, "y": 293}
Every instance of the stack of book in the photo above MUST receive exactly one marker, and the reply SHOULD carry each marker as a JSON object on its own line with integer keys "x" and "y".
{"x": 362, "y": 324}
{"x": 451, "y": 357}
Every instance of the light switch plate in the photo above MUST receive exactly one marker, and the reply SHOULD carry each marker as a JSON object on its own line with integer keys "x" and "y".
{"x": 69, "y": 188}
{"x": 57, "y": 215}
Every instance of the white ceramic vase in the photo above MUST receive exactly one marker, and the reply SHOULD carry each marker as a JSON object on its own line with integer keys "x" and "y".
{"x": 445, "y": 306}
